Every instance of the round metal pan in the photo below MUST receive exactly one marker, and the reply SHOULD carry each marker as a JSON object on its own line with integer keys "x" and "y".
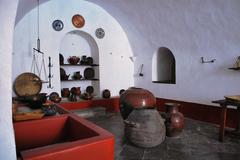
{"x": 27, "y": 84}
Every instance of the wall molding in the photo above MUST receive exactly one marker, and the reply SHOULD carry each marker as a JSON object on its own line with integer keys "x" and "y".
{"x": 201, "y": 112}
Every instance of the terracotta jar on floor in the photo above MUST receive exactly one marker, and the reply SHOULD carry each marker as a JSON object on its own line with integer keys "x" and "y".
{"x": 174, "y": 120}
{"x": 135, "y": 98}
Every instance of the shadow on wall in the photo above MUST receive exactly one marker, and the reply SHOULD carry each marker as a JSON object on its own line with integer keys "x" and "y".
{"x": 163, "y": 66}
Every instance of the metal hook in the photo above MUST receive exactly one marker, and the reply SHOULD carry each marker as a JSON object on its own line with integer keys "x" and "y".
{"x": 210, "y": 61}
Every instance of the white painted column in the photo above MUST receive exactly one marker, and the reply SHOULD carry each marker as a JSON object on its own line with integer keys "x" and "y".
{"x": 8, "y": 10}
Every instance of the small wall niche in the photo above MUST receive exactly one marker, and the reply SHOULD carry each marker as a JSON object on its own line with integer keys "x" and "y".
{"x": 163, "y": 66}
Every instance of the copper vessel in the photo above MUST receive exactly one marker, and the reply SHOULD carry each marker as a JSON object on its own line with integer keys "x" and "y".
{"x": 135, "y": 98}
{"x": 73, "y": 60}
{"x": 65, "y": 92}
{"x": 174, "y": 120}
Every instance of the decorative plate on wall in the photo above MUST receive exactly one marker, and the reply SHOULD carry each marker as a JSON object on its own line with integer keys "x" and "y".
{"x": 100, "y": 33}
{"x": 78, "y": 21}
{"x": 57, "y": 25}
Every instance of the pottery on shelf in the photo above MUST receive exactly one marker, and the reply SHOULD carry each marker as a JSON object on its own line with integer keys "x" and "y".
{"x": 83, "y": 60}
{"x": 174, "y": 120}
{"x": 135, "y": 98}
{"x": 54, "y": 97}
{"x": 76, "y": 91}
{"x": 121, "y": 91}
{"x": 89, "y": 60}
{"x": 106, "y": 93}
{"x": 73, "y": 60}
{"x": 77, "y": 75}
{"x": 87, "y": 96}
{"x": 65, "y": 92}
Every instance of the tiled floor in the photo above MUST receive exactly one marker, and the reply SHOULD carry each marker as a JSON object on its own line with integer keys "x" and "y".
{"x": 199, "y": 141}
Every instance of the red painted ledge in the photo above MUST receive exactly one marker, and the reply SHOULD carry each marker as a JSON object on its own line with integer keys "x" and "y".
{"x": 201, "y": 112}
{"x": 64, "y": 137}
{"x": 206, "y": 113}
{"x": 111, "y": 104}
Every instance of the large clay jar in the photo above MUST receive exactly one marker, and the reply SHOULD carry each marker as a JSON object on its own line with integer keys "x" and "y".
{"x": 174, "y": 120}
{"x": 135, "y": 98}
{"x": 145, "y": 128}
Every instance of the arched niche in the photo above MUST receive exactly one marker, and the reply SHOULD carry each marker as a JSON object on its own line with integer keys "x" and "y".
{"x": 79, "y": 43}
{"x": 163, "y": 66}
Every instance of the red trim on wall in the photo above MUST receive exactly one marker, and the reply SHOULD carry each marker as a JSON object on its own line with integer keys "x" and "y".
{"x": 201, "y": 112}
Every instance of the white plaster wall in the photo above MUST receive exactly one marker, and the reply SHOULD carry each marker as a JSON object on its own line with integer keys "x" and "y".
{"x": 191, "y": 29}
{"x": 116, "y": 68}
{"x": 7, "y": 143}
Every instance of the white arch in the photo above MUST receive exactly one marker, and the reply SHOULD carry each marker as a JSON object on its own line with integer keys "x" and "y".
{"x": 163, "y": 66}
{"x": 111, "y": 51}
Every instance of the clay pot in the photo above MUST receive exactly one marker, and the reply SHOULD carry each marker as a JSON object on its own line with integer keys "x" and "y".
{"x": 77, "y": 75}
{"x": 54, "y": 97}
{"x": 57, "y": 100}
{"x": 87, "y": 96}
{"x": 121, "y": 91}
{"x": 65, "y": 92}
{"x": 135, "y": 98}
{"x": 73, "y": 97}
{"x": 73, "y": 60}
{"x": 145, "y": 128}
{"x": 73, "y": 90}
{"x": 65, "y": 77}
{"x": 106, "y": 93}
{"x": 83, "y": 60}
{"x": 89, "y": 60}
{"x": 174, "y": 120}
{"x": 36, "y": 101}
{"x": 78, "y": 91}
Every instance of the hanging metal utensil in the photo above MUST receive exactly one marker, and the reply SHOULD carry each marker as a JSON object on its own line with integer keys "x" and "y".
{"x": 141, "y": 69}
{"x": 50, "y": 76}
{"x": 35, "y": 66}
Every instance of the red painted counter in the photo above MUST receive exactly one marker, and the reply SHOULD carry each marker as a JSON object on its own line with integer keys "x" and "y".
{"x": 63, "y": 137}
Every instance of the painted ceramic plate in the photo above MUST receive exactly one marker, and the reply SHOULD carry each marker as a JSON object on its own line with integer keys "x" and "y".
{"x": 57, "y": 25}
{"x": 89, "y": 73}
{"x": 90, "y": 89}
{"x": 78, "y": 21}
{"x": 100, "y": 33}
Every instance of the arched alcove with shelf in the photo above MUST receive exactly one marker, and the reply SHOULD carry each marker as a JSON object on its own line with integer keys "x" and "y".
{"x": 79, "y": 43}
{"x": 164, "y": 66}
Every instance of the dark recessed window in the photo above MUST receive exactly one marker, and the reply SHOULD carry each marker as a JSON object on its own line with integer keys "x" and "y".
{"x": 163, "y": 67}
